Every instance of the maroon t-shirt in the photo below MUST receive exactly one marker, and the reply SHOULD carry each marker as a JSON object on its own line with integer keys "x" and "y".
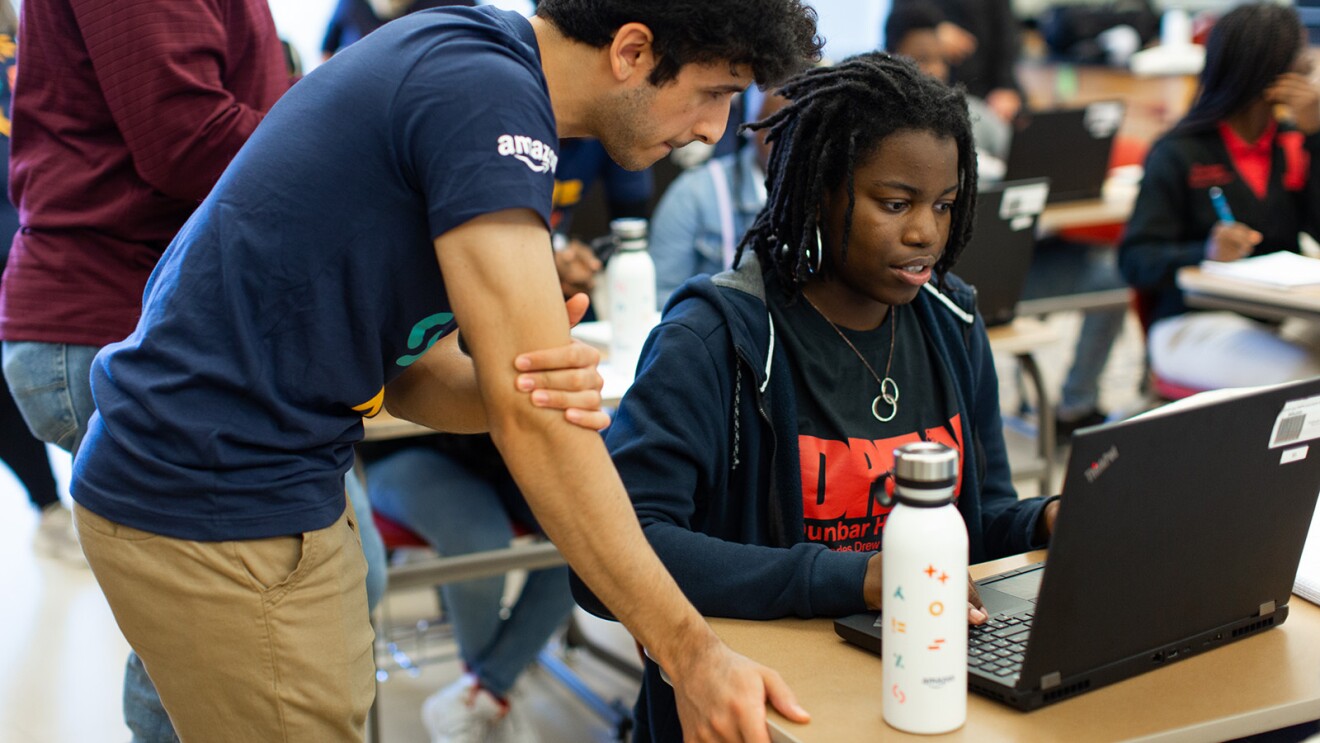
{"x": 125, "y": 113}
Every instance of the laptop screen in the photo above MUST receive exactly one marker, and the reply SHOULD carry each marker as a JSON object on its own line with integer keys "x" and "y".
{"x": 1071, "y": 147}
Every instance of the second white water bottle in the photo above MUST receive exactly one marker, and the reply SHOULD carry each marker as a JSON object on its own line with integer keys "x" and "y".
{"x": 925, "y": 594}
{"x": 631, "y": 277}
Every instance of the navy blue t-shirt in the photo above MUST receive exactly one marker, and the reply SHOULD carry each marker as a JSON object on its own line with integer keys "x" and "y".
{"x": 308, "y": 279}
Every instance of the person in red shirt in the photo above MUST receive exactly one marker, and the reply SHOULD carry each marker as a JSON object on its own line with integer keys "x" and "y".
{"x": 1252, "y": 139}
{"x": 124, "y": 116}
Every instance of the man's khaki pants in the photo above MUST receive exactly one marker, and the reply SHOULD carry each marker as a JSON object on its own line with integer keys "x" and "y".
{"x": 260, "y": 640}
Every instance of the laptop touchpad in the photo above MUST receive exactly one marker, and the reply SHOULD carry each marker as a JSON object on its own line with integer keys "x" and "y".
{"x": 1012, "y": 593}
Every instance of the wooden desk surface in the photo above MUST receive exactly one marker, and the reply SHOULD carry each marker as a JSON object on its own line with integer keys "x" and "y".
{"x": 1154, "y": 103}
{"x": 1261, "y": 683}
{"x": 1209, "y": 291}
{"x": 1022, "y": 336}
{"x": 1113, "y": 207}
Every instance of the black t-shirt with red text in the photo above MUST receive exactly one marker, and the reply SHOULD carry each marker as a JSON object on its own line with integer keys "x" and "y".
{"x": 846, "y": 452}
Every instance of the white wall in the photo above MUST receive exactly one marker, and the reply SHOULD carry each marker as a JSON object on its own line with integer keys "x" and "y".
{"x": 302, "y": 23}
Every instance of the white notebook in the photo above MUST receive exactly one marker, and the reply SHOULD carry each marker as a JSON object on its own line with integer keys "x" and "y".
{"x": 1281, "y": 269}
{"x": 1307, "y": 584}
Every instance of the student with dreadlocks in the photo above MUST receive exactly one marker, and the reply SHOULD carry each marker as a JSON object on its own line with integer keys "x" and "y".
{"x": 769, "y": 401}
{"x": 1266, "y": 169}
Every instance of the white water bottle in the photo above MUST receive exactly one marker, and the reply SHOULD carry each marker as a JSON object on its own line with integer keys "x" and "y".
{"x": 925, "y": 594}
{"x": 631, "y": 278}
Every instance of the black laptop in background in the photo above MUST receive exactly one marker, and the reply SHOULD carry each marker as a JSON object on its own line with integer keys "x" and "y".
{"x": 997, "y": 258}
{"x": 1179, "y": 531}
{"x": 1070, "y": 146}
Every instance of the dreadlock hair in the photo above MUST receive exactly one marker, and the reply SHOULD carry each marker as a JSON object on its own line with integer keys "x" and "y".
{"x": 1264, "y": 39}
{"x": 836, "y": 117}
{"x": 777, "y": 38}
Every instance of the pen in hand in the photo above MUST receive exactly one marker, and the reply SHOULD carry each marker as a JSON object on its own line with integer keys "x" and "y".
{"x": 1221, "y": 205}
{"x": 1229, "y": 240}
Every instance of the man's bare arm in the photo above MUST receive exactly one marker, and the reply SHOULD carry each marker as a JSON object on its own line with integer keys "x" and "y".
{"x": 505, "y": 294}
{"x": 440, "y": 389}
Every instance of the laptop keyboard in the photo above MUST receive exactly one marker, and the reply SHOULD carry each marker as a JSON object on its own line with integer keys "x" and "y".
{"x": 998, "y": 647}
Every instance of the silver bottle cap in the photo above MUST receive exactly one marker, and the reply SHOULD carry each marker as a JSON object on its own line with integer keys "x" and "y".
{"x": 925, "y": 471}
{"x": 628, "y": 228}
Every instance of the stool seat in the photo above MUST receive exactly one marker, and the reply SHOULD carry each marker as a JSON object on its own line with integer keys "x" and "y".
{"x": 398, "y": 536}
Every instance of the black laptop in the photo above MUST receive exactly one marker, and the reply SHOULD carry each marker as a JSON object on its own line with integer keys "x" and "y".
{"x": 998, "y": 257}
{"x": 1179, "y": 531}
{"x": 1070, "y": 146}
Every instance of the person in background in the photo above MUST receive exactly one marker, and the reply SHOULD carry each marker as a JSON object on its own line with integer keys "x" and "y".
{"x": 983, "y": 43}
{"x": 760, "y": 430}
{"x": 353, "y": 19}
{"x": 1253, "y": 132}
{"x": 350, "y": 21}
{"x": 456, "y": 493}
{"x": 584, "y": 163}
{"x": 154, "y": 100}
{"x": 24, "y": 454}
{"x": 912, "y": 30}
{"x": 399, "y": 192}
{"x": 705, "y": 212}
{"x": 1058, "y": 267}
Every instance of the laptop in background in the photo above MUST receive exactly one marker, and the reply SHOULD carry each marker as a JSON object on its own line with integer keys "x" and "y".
{"x": 998, "y": 257}
{"x": 1069, "y": 146}
{"x": 1179, "y": 531}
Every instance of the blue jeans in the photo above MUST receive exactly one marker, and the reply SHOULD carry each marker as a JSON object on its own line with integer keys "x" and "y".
{"x": 459, "y": 512}
{"x": 1059, "y": 267}
{"x": 51, "y": 382}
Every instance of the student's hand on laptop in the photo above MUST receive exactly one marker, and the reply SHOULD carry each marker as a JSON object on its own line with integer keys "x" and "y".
{"x": 566, "y": 378}
{"x": 1230, "y": 241}
{"x": 873, "y": 591}
{"x": 976, "y": 613}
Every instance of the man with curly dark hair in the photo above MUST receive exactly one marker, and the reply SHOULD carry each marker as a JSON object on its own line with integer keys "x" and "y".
{"x": 397, "y": 192}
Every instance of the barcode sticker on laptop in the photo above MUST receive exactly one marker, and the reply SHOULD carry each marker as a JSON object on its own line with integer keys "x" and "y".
{"x": 1298, "y": 421}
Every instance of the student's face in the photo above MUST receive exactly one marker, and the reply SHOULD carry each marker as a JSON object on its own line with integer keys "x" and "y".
{"x": 923, "y": 47}
{"x": 643, "y": 123}
{"x": 905, "y": 192}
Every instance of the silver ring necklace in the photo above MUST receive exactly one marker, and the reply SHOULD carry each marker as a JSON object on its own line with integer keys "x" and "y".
{"x": 888, "y": 387}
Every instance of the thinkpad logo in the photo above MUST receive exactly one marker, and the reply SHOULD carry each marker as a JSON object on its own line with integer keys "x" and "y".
{"x": 533, "y": 153}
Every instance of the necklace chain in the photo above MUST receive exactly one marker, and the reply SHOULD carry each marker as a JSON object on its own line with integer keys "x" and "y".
{"x": 888, "y": 387}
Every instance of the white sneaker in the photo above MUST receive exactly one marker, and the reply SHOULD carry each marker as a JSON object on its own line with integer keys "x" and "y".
{"x": 516, "y": 727}
{"x": 462, "y": 712}
{"x": 56, "y": 536}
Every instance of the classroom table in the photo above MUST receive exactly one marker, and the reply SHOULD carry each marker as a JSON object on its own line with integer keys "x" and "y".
{"x": 1114, "y": 206}
{"x": 1209, "y": 291}
{"x": 1261, "y": 683}
{"x": 1022, "y": 338}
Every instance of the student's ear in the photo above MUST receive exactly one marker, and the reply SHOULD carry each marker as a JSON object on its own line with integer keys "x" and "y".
{"x": 631, "y": 52}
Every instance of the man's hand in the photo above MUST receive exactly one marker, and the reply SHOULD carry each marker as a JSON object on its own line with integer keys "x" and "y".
{"x": 1301, "y": 96}
{"x": 722, "y": 695}
{"x": 565, "y": 378}
{"x": 577, "y": 266}
{"x": 1230, "y": 241}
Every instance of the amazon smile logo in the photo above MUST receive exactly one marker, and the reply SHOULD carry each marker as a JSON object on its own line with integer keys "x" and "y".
{"x": 535, "y": 154}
